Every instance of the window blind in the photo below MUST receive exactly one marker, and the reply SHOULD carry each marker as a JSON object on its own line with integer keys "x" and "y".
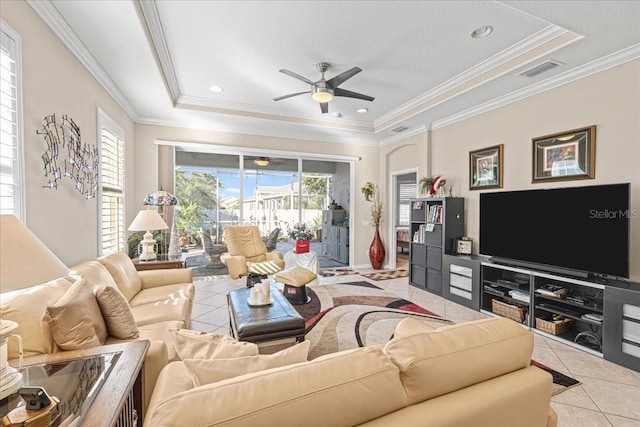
{"x": 112, "y": 160}
{"x": 11, "y": 180}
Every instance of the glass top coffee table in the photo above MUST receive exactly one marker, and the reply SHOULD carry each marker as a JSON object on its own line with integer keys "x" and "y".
{"x": 96, "y": 387}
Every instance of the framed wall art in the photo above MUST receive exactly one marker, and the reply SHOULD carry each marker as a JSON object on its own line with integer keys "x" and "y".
{"x": 485, "y": 168}
{"x": 565, "y": 156}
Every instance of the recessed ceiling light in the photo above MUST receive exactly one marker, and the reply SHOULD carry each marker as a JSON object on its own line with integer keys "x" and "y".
{"x": 481, "y": 32}
{"x": 362, "y": 110}
{"x": 336, "y": 114}
{"x": 216, "y": 89}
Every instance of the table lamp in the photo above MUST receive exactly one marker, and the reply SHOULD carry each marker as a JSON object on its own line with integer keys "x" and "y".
{"x": 146, "y": 221}
{"x": 10, "y": 378}
{"x": 161, "y": 199}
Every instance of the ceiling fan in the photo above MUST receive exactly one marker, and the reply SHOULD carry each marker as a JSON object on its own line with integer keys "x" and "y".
{"x": 323, "y": 90}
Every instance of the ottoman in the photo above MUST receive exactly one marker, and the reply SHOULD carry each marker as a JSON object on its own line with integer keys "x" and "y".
{"x": 294, "y": 280}
{"x": 269, "y": 325}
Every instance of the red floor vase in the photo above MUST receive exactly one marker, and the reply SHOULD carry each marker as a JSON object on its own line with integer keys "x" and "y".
{"x": 376, "y": 251}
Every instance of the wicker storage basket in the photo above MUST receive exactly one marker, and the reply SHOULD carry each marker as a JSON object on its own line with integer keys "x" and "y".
{"x": 555, "y": 327}
{"x": 509, "y": 311}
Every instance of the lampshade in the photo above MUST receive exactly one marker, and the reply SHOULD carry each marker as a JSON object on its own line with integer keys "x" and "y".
{"x": 148, "y": 220}
{"x": 160, "y": 198}
{"x": 322, "y": 94}
{"x": 24, "y": 258}
{"x": 261, "y": 161}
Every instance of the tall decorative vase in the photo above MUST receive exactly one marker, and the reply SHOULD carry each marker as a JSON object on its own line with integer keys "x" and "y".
{"x": 376, "y": 251}
{"x": 174, "y": 241}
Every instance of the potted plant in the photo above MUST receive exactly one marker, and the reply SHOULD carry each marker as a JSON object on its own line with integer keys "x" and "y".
{"x": 376, "y": 250}
{"x": 425, "y": 183}
{"x": 301, "y": 236}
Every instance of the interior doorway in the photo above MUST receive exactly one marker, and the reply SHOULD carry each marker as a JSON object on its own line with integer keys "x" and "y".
{"x": 404, "y": 186}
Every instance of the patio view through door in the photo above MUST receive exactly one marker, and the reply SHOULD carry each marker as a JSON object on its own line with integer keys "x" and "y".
{"x": 272, "y": 193}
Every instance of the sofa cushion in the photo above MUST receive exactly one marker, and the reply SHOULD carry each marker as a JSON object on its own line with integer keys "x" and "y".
{"x": 116, "y": 312}
{"x": 162, "y": 293}
{"x": 123, "y": 272}
{"x": 190, "y": 344}
{"x": 75, "y": 319}
{"x": 453, "y": 357}
{"x": 26, "y": 308}
{"x": 206, "y": 371}
{"x": 410, "y": 326}
{"x": 93, "y": 271}
{"x": 177, "y": 309}
{"x": 339, "y": 389}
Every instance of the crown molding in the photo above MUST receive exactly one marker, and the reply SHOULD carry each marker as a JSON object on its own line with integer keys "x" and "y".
{"x": 151, "y": 19}
{"x": 538, "y": 39}
{"x": 618, "y": 58}
{"x": 404, "y": 135}
{"x": 271, "y": 113}
{"x": 368, "y": 142}
{"x": 52, "y": 18}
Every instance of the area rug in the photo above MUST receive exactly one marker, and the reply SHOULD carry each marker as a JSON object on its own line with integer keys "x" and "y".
{"x": 343, "y": 316}
{"x": 329, "y": 272}
{"x": 386, "y": 275}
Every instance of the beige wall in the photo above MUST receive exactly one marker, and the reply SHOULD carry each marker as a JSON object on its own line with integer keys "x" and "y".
{"x": 610, "y": 100}
{"x": 366, "y": 169}
{"x": 54, "y": 81}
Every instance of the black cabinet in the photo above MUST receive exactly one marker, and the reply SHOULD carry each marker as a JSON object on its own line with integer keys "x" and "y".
{"x": 436, "y": 224}
{"x": 461, "y": 279}
{"x": 622, "y": 327}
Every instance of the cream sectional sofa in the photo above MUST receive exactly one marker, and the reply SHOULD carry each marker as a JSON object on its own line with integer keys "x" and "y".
{"x": 470, "y": 374}
{"x": 158, "y": 299}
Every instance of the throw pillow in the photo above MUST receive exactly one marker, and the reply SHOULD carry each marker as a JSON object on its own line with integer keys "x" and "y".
{"x": 116, "y": 312}
{"x": 209, "y": 371}
{"x": 75, "y": 319}
{"x": 190, "y": 344}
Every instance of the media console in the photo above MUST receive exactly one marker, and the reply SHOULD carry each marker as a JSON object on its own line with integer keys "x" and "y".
{"x": 600, "y": 318}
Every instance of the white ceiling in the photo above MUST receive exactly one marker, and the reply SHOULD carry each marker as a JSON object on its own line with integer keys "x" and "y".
{"x": 158, "y": 58}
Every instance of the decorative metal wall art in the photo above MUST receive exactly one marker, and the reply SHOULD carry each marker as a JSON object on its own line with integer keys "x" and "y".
{"x": 64, "y": 148}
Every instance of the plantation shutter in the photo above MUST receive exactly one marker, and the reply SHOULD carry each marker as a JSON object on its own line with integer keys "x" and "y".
{"x": 11, "y": 180}
{"x": 407, "y": 192}
{"x": 112, "y": 191}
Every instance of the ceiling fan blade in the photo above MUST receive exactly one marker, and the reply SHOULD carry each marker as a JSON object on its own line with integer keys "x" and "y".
{"x": 336, "y": 81}
{"x": 350, "y": 94}
{"x": 290, "y": 95}
{"x": 296, "y": 76}
{"x": 324, "y": 107}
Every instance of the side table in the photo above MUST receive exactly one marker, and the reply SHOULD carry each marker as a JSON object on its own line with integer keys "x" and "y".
{"x": 99, "y": 386}
{"x": 308, "y": 260}
{"x": 161, "y": 263}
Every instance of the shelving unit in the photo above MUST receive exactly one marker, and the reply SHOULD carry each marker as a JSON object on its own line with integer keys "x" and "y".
{"x": 436, "y": 223}
{"x": 335, "y": 235}
{"x": 568, "y": 317}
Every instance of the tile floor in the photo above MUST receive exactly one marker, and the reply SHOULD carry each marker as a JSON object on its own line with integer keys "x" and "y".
{"x": 609, "y": 395}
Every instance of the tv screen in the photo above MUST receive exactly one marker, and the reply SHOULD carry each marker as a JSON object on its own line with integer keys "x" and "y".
{"x": 578, "y": 228}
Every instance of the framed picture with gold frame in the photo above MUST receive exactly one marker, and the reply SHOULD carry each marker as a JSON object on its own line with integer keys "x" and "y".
{"x": 565, "y": 156}
{"x": 485, "y": 168}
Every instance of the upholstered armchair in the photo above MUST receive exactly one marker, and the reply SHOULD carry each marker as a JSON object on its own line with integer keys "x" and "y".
{"x": 246, "y": 248}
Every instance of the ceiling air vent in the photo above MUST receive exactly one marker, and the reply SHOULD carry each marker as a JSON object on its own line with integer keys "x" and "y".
{"x": 541, "y": 68}
{"x": 399, "y": 129}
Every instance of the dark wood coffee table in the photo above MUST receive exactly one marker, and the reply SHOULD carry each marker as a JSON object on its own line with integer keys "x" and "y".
{"x": 276, "y": 324}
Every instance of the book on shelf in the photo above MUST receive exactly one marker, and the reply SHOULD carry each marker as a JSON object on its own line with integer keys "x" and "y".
{"x": 435, "y": 214}
{"x": 519, "y": 295}
{"x": 552, "y": 291}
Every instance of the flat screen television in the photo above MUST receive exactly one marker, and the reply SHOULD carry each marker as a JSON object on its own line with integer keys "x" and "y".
{"x": 581, "y": 231}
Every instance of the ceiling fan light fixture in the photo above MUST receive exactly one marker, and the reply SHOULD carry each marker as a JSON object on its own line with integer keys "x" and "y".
{"x": 261, "y": 161}
{"x": 321, "y": 94}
